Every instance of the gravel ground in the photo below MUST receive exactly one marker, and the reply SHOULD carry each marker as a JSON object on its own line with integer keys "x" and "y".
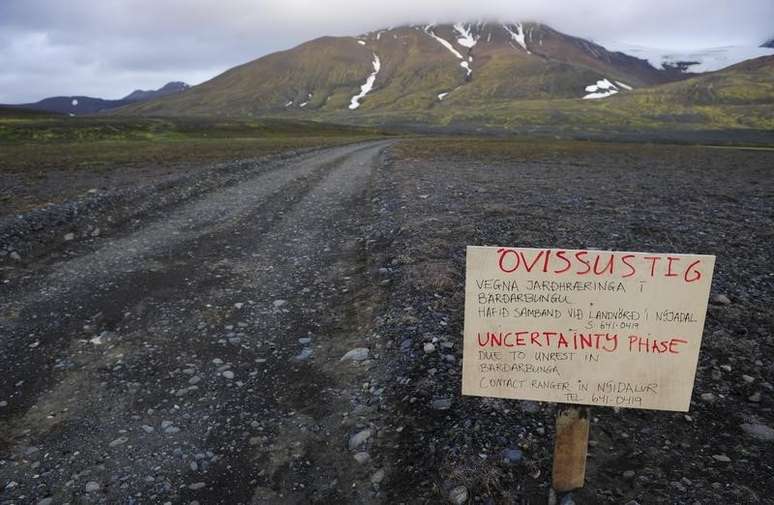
{"x": 442, "y": 196}
{"x": 262, "y": 339}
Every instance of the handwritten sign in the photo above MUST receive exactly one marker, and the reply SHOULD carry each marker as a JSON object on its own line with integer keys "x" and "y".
{"x": 617, "y": 329}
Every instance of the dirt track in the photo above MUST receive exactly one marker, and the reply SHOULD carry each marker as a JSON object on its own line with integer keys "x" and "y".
{"x": 195, "y": 355}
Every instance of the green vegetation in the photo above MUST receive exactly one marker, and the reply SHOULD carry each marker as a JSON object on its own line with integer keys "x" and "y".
{"x": 33, "y": 141}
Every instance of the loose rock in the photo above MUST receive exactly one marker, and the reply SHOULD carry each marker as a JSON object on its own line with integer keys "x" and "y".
{"x": 721, "y": 299}
{"x": 759, "y": 431}
{"x": 359, "y": 439}
{"x": 442, "y": 404}
{"x": 458, "y": 495}
{"x": 356, "y": 354}
{"x": 362, "y": 457}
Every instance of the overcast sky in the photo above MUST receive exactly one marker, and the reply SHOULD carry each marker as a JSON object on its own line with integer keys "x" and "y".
{"x": 107, "y": 48}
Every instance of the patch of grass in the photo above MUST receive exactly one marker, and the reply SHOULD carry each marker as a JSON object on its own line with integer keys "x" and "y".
{"x": 34, "y": 143}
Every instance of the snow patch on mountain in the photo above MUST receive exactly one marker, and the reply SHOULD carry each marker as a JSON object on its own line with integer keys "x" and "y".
{"x": 361, "y": 42}
{"x": 445, "y": 43}
{"x": 441, "y": 96}
{"x": 517, "y": 35}
{"x": 466, "y": 38}
{"x": 368, "y": 85}
{"x": 603, "y": 89}
{"x": 699, "y": 60}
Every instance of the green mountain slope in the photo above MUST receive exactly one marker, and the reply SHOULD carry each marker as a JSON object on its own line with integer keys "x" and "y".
{"x": 519, "y": 76}
{"x": 465, "y": 62}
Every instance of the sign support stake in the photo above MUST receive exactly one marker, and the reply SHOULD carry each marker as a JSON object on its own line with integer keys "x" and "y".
{"x": 571, "y": 447}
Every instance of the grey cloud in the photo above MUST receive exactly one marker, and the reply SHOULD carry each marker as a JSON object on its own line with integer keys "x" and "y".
{"x": 110, "y": 47}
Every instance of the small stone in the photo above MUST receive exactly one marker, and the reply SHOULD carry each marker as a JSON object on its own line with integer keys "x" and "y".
{"x": 359, "y": 439}
{"x": 304, "y": 340}
{"x": 748, "y": 379}
{"x": 92, "y": 487}
{"x": 362, "y": 457}
{"x": 722, "y": 458}
{"x": 3, "y": 403}
{"x": 69, "y": 236}
{"x": 239, "y": 305}
{"x": 304, "y": 355}
{"x": 228, "y": 374}
{"x": 194, "y": 380}
{"x": 512, "y": 456}
{"x": 632, "y": 502}
{"x": 46, "y": 501}
{"x": 429, "y": 348}
{"x": 279, "y": 303}
{"x": 356, "y": 354}
{"x": 196, "y": 485}
{"x": 567, "y": 500}
{"x": 755, "y": 397}
{"x": 377, "y": 477}
{"x": 629, "y": 474}
{"x": 708, "y": 397}
{"x": 759, "y": 431}
{"x": 194, "y": 466}
{"x": 119, "y": 441}
{"x": 15, "y": 256}
{"x": 458, "y": 495}
{"x": 721, "y": 299}
{"x": 147, "y": 429}
{"x": 530, "y": 407}
{"x": 442, "y": 404}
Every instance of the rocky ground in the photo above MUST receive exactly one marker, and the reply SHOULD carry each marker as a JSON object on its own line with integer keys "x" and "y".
{"x": 289, "y": 331}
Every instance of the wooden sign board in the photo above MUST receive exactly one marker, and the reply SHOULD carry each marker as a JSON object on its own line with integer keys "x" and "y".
{"x": 606, "y": 328}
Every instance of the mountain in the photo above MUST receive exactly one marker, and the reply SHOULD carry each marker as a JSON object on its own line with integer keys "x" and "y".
{"x": 80, "y": 105}
{"x": 76, "y": 105}
{"x": 520, "y": 77}
{"x": 769, "y": 43}
{"x": 169, "y": 88}
{"x": 416, "y": 68}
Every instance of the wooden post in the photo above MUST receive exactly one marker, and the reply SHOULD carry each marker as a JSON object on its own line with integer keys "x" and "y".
{"x": 572, "y": 439}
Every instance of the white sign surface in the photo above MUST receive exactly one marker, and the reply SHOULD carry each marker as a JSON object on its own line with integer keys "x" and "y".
{"x": 608, "y": 328}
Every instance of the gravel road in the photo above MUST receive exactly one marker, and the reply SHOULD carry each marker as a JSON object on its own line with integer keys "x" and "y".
{"x": 197, "y": 357}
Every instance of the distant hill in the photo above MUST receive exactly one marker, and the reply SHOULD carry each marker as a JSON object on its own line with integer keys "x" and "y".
{"x": 81, "y": 105}
{"x": 748, "y": 83}
{"x": 169, "y": 88}
{"x": 769, "y": 43}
